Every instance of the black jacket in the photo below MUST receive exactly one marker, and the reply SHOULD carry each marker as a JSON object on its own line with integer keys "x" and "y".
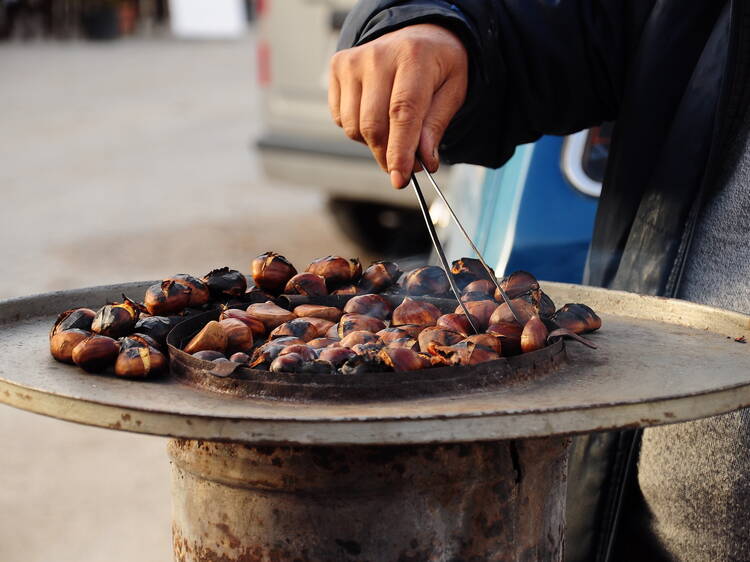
{"x": 671, "y": 73}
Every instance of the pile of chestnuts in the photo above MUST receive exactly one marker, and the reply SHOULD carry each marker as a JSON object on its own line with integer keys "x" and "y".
{"x": 369, "y": 333}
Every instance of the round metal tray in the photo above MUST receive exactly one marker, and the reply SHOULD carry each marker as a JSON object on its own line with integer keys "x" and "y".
{"x": 659, "y": 361}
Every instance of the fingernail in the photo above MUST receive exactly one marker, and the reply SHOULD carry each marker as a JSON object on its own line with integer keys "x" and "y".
{"x": 397, "y": 180}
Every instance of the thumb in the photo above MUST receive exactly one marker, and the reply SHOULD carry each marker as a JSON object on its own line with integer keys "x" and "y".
{"x": 445, "y": 103}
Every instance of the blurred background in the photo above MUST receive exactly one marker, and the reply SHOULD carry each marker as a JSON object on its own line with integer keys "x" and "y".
{"x": 142, "y": 138}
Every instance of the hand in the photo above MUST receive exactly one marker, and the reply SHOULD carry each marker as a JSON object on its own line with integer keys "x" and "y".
{"x": 398, "y": 94}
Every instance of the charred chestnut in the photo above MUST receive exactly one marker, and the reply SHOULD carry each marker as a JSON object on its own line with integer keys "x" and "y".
{"x": 516, "y": 284}
{"x": 457, "y": 322}
{"x": 73, "y": 319}
{"x": 271, "y": 271}
{"x": 316, "y": 367}
{"x": 63, "y": 342}
{"x": 308, "y": 284}
{"x": 358, "y": 337}
{"x": 534, "y": 335}
{"x": 116, "y": 320}
{"x": 264, "y": 355}
{"x": 433, "y": 336}
{"x": 352, "y": 322}
{"x": 158, "y": 327}
{"x": 467, "y": 353}
{"x": 337, "y": 356}
{"x": 402, "y": 359}
{"x": 360, "y": 364}
{"x": 427, "y": 280}
{"x": 199, "y": 293}
{"x": 224, "y": 283}
{"x": 95, "y": 353}
{"x": 167, "y": 297}
{"x": 140, "y": 362}
{"x": 370, "y": 305}
{"x": 406, "y": 343}
{"x": 296, "y": 328}
{"x": 390, "y": 334}
{"x": 368, "y": 350}
{"x": 487, "y": 340}
{"x": 321, "y": 326}
{"x": 577, "y": 318}
{"x": 321, "y": 343}
{"x": 379, "y": 276}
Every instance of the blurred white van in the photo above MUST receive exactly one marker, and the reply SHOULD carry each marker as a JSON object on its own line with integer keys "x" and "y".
{"x": 300, "y": 142}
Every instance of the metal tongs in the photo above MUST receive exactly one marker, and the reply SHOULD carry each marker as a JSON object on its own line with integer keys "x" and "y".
{"x": 441, "y": 253}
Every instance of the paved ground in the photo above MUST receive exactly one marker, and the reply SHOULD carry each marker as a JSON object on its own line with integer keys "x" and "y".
{"x": 121, "y": 162}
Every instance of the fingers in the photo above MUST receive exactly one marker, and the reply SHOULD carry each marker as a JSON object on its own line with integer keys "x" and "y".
{"x": 334, "y": 97}
{"x": 409, "y": 103}
{"x": 351, "y": 96}
{"x": 444, "y": 105}
{"x": 373, "y": 116}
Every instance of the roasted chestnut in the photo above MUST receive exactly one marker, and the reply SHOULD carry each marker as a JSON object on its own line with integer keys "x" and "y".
{"x": 95, "y": 353}
{"x": 510, "y": 336}
{"x": 348, "y": 290}
{"x": 264, "y": 355}
{"x": 413, "y": 330}
{"x": 487, "y": 340}
{"x": 270, "y": 314}
{"x": 74, "y": 319}
{"x": 472, "y": 266}
{"x": 390, "y": 334}
{"x": 209, "y": 355}
{"x": 239, "y": 335}
{"x": 63, "y": 342}
{"x": 288, "y": 363}
{"x": 305, "y": 351}
{"x": 240, "y": 357}
{"x": 257, "y": 327}
{"x": 321, "y": 343}
{"x": 411, "y": 311}
{"x": 480, "y": 310}
{"x": 352, "y": 322}
{"x": 457, "y": 322}
{"x": 481, "y": 286}
{"x": 369, "y": 350}
{"x": 139, "y": 340}
{"x": 271, "y": 271}
{"x": 360, "y": 364}
{"x": 426, "y": 280}
{"x": 316, "y": 367}
{"x": 199, "y": 293}
{"x": 467, "y": 353}
{"x": 224, "y": 283}
{"x": 534, "y": 335}
{"x": 433, "y": 336}
{"x": 577, "y": 318}
{"x": 358, "y": 337}
{"x": 379, "y": 276}
{"x": 370, "y": 305}
{"x": 140, "y": 362}
{"x": 167, "y": 297}
{"x": 330, "y": 313}
{"x": 211, "y": 337}
{"x": 402, "y": 359}
{"x": 406, "y": 343}
{"x": 117, "y": 319}
{"x": 158, "y": 327}
{"x": 321, "y": 326}
{"x": 516, "y": 284}
{"x": 521, "y": 305}
{"x": 286, "y": 340}
{"x": 296, "y": 328}
{"x": 336, "y": 270}
{"x": 308, "y": 284}
{"x": 337, "y": 356}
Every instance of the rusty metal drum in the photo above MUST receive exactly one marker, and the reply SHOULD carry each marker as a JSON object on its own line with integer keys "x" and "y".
{"x": 500, "y": 501}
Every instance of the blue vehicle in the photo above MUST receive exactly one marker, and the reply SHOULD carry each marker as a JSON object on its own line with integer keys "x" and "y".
{"x": 536, "y": 212}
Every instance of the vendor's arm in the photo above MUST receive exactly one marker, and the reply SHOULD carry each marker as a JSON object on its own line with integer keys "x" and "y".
{"x": 501, "y": 72}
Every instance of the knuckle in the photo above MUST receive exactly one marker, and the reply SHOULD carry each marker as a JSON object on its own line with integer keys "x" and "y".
{"x": 351, "y": 131}
{"x": 403, "y": 110}
{"x": 372, "y": 131}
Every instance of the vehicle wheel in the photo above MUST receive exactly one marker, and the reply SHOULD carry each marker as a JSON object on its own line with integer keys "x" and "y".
{"x": 384, "y": 230}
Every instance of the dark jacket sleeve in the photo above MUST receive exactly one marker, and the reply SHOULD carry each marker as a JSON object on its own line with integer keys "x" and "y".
{"x": 537, "y": 66}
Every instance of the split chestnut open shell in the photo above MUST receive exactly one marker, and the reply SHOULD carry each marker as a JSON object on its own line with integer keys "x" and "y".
{"x": 296, "y": 328}
{"x": 224, "y": 283}
{"x": 516, "y": 284}
{"x": 271, "y": 271}
{"x": 390, "y": 334}
{"x": 457, "y": 322}
{"x": 199, "y": 293}
{"x": 321, "y": 325}
{"x": 167, "y": 297}
{"x": 467, "y": 353}
{"x": 158, "y": 327}
{"x": 577, "y": 318}
{"x": 433, "y": 336}
{"x": 353, "y": 322}
{"x": 402, "y": 359}
{"x": 116, "y": 320}
{"x": 140, "y": 362}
